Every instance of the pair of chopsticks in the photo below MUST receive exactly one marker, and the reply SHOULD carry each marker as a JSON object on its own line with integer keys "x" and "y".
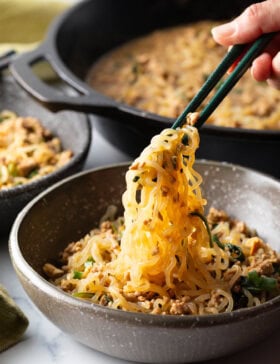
{"x": 248, "y": 54}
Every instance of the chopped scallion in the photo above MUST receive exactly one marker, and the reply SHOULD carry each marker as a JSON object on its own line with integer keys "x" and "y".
{"x": 255, "y": 282}
{"x": 77, "y": 274}
{"x": 83, "y": 294}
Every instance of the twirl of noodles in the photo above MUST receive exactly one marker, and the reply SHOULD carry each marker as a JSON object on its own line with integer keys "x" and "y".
{"x": 165, "y": 256}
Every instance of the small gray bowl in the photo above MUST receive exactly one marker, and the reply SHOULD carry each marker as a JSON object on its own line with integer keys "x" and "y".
{"x": 72, "y": 128}
{"x": 69, "y": 209}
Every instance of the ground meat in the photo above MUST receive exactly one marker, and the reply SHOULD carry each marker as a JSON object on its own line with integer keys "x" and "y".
{"x": 139, "y": 296}
{"x": 34, "y": 130}
{"x": 105, "y": 299}
{"x": 26, "y": 166}
{"x": 265, "y": 267}
{"x": 63, "y": 158}
{"x": 215, "y": 299}
{"x": 68, "y": 285}
{"x": 106, "y": 226}
{"x": 215, "y": 216}
{"x": 70, "y": 250}
{"x": 180, "y": 306}
{"x": 51, "y": 271}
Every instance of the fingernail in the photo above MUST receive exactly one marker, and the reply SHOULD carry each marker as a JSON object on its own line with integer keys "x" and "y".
{"x": 224, "y": 30}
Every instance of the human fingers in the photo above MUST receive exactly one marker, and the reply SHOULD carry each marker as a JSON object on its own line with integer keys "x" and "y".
{"x": 257, "y": 19}
{"x": 274, "y": 79}
{"x": 261, "y": 68}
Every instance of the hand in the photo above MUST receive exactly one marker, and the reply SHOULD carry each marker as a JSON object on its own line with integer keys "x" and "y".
{"x": 256, "y": 20}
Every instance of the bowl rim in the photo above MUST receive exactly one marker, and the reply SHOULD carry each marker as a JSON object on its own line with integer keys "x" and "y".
{"x": 22, "y": 268}
{"x": 55, "y": 175}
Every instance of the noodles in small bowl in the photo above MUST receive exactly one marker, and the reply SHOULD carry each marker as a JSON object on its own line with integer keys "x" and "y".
{"x": 37, "y": 148}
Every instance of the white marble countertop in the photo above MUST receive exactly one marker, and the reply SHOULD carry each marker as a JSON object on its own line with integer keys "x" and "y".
{"x": 45, "y": 344}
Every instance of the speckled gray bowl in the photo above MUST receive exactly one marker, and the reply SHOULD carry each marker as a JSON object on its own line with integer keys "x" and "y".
{"x": 72, "y": 128}
{"x": 69, "y": 209}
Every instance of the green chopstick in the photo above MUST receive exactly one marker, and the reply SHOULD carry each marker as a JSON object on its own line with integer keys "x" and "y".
{"x": 236, "y": 51}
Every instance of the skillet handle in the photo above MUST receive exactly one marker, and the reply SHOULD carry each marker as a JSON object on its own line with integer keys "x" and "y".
{"x": 85, "y": 100}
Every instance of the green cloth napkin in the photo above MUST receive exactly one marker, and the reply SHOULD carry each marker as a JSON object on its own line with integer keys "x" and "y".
{"x": 13, "y": 322}
{"x": 23, "y": 24}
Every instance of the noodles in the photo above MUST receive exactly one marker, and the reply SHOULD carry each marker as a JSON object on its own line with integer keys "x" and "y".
{"x": 27, "y": 150}
{"x": 156, "y": 226}
{"x": 165, "y": 257}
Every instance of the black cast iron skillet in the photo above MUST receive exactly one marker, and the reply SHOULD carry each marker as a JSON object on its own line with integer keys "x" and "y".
{"x": 88, "y": 30}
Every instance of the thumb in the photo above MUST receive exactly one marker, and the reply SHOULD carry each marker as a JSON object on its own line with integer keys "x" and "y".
{"x": 257, "y": 19}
